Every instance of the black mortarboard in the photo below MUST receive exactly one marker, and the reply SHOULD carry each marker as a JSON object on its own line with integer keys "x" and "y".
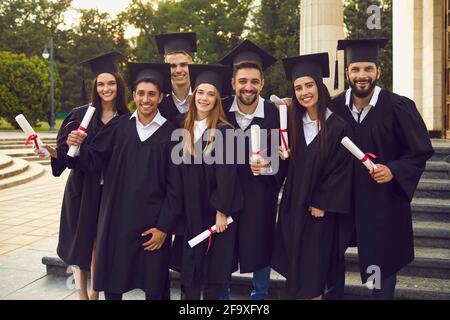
{"x": 248, "y": 51}
{"x": 104, "y": 63}
{"x": 311, "y": 65}
{"x": 158, "y": 72}
{"x": 174, "y": 42}
{"x": 359, "y": 50}
{"x": 217, "y": 75}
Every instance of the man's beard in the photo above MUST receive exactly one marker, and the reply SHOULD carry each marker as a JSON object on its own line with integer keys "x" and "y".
{"x": 363, "y": 93}
{"x": 248, "y": 103}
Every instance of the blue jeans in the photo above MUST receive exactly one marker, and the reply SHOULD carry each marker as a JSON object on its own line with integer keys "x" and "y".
{"x": 261, "y": 279}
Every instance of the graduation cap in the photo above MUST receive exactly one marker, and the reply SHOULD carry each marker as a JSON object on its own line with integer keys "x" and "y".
{"x": 359, "y": 50}
{"x": 248, "y": 51}
{"x": 175, "y": 42}
{"x": 157, "y": 72}
{"x": 311, "y": 65}
{"x": 104, "y": 63}
{"x": 217, "y": 75}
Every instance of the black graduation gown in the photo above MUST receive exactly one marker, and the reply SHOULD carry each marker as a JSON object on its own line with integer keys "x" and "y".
{"x": 208, "y": 188}
{"x": 169, "y": 110}
{"x": 394, "y": 131}
{"x": 257, "y": 219}
{"x": 141, "y": 190}
{"x": 306, "y": 247}
{"x": 79, "y": 211}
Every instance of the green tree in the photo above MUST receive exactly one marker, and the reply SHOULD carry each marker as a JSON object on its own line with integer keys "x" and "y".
{"x": 276, "y": 29}
{"x": 219, "y": 25}
{"x": 355, "y": 19}
{"x": 25, "y": 87}
{"x": 27, "y": 25}
{"x": 95, "y": 33}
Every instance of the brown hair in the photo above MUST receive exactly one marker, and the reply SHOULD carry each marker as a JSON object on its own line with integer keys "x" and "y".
{"x": 121, "y": 98}
{"x": 215, "y": 117}
{"x": 178, "y": 52}
{"x": 296, "y": 113}
{"x": 247, "y": 65}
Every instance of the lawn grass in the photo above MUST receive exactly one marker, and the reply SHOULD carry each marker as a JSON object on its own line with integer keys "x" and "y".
{"x": 41, "y": 126}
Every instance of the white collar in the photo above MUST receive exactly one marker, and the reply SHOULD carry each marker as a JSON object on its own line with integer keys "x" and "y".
{"x": 373, "y": 100}
{"x": 307, "y": 120}
{"x": 259, "y": 111}
{"x": 175, "y": 99}
{"x": 158, "y": 119}
{"x": 202, "y": 124}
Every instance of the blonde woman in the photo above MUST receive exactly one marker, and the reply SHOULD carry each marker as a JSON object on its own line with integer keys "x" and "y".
{"x": 211, "y": 190}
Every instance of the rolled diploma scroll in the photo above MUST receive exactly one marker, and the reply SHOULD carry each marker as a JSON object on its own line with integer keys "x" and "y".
{"x": 277, "y": 101}
{"x": 256, "y": 143}
{"x": 28, "y": 130}
{"x": 347, "y": 143}
{"x": 205, "y": 234}
{"x": 283, "y": 127}
{"x": 73, "y": 150}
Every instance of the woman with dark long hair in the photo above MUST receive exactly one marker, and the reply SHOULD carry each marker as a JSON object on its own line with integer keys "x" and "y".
{"x": 318, "y": 181}
{"x": 79, "y": 212}
{"x": 211, "y": 190}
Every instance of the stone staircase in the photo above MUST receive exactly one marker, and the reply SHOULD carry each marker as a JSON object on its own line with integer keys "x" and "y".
{"x": 16, "y": 148}
{"x": 18, "y": 163}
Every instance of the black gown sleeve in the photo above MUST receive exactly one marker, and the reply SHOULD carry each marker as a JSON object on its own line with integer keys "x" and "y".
{"x": 71, "y": 122}
{"x": 413, "y": 133}
{"x": 171, "y": 215}
{"x": 333, "y": 191}
{"x": 95, "y": 155}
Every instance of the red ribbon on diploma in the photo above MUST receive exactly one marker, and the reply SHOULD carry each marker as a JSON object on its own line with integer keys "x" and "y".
{"x": 80, "y": 128}
{"x": 211, "y": 232}
{"x": 283, "y": 138}
{"x": 33, "y": 138}
{"x": 366, "y": 157}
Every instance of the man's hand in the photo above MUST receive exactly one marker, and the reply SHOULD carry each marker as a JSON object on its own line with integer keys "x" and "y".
{"x": 156, "y": 241}
{"x": 259, "y": 166}
{"x": 316, "y": 212}
{"x": 221, "y": 222}
{"x": 382, "y": 174}
{"x": 76, "y": 138}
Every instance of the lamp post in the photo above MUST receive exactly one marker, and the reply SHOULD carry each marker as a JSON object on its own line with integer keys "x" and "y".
{"x": 46, "y": 55}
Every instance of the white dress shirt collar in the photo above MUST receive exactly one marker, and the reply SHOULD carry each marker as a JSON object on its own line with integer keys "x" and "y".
{"x": 146, "y": 131}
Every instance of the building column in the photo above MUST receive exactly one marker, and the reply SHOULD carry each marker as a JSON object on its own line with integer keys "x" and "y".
{"x": 417, "y": 56}
{"x": 321, "y": 26}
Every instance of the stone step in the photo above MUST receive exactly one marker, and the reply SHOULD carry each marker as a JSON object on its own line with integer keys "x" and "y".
{"x": 428, "y": 263}
{"x": 437, "y": 170}
{"x": 433, "y": 188}
{"x": 18, "y": 166}
{"x": 35, "y": 170}
{"x": 19, "y": 153}
{"x": 5, "y": 161}
{"x": 437, "y": 210}
{"x": 21, "y": 146}
{"x": 441, "y": 153}
{"x": 409, "y": 288}
{"x": 429, "y": 234}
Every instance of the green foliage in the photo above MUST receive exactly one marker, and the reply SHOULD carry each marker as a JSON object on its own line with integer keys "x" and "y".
{"x": 355, "y": 19}
{"x": 25, "y": 87}
{"x": 219, "y": 25}
{"x": 276, "y": 29}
